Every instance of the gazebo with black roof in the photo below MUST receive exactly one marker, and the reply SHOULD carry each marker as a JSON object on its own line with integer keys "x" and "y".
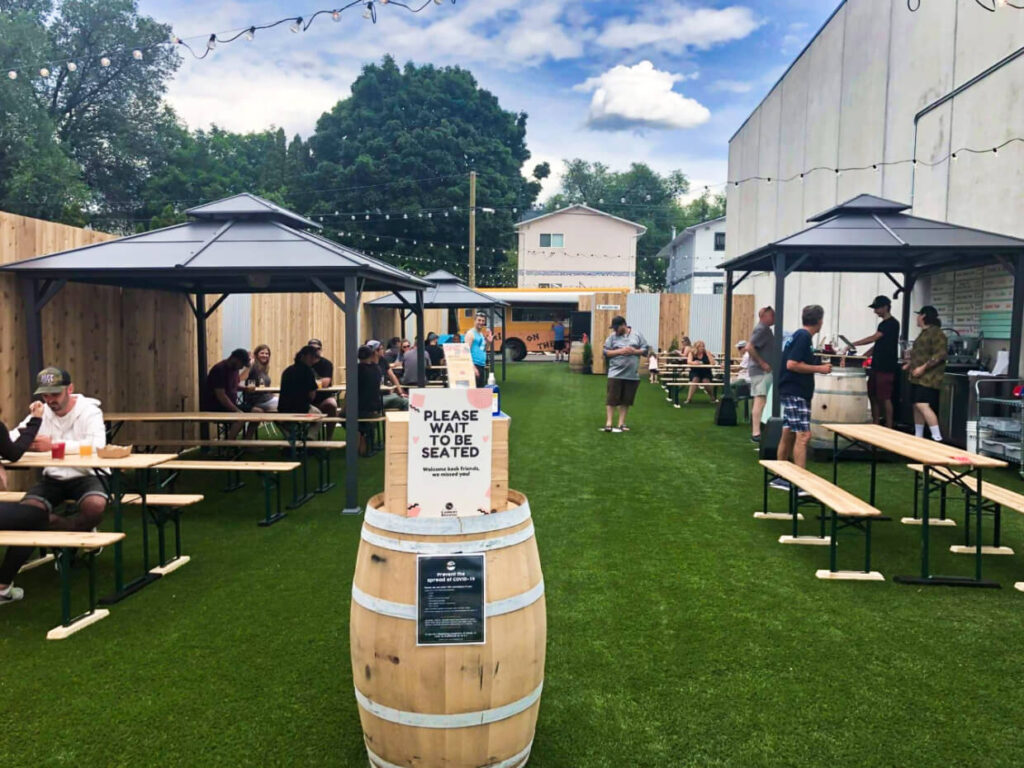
{"x": 448, "y": 292}
{"x": 872, "y": 234}
{"x": 241, "y": 244}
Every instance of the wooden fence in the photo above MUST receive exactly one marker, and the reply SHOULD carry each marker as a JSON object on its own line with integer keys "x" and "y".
{"x": 131, "y": 349}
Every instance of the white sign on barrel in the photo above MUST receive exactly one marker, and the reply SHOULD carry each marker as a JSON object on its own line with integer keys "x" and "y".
{"x": 449, "y": 452}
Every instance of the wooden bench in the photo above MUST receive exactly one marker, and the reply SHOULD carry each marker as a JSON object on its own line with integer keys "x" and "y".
{"x": 161, "y": 508}
{"x": 847, "y": 511}
{"x": 993, "y": 499}
{"x": 66, "y": 542}
{"x": 673, "y": 386}
{"x": 267, "y": 470}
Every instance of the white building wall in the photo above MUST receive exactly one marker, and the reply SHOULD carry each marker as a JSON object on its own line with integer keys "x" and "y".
{"x": 598, "y": 252}
{"x": 850, "y": 100}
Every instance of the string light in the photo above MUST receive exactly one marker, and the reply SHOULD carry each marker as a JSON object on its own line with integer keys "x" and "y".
{"x": 137, "y": 54}
{"x": 44, "y": 72}
{"x": 989, "y": 5}
{"x": 72, "y": 67}
{"x": 104, "y": 61}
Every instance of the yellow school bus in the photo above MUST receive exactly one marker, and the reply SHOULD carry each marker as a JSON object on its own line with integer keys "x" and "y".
{"x": 530, "y": 317}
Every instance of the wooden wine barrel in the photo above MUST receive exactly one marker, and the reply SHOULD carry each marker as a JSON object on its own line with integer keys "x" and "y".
{"x": 840, "y": 397}
{"x": 576, "y": 357}
{"x": 457, "y": 706}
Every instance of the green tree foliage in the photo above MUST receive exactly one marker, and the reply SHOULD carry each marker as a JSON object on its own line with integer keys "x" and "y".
{"x": 98, "y": 125}
{"x": 642, "y": 195}
{"x": 403, "y": 144}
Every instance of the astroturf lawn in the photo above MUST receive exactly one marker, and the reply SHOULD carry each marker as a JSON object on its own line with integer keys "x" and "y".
{"x": 680, "y": 633}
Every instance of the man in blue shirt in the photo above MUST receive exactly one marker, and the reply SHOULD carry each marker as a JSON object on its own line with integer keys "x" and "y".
{"x": 559, "y": 331}
{"x": 796, "y": 388}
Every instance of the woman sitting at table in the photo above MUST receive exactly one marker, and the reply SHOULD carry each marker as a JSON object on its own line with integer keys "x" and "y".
{"x": 14, "y": 516}
{"x": 259, "y": 376}
{"x": 699, "y": 356}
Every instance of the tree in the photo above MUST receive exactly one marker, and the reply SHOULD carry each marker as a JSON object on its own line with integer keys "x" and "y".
{"x": 641, "y": 195}
{"x": 401, "y": 148}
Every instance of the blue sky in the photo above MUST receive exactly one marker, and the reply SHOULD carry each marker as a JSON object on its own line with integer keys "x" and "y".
{"x": 664, "y": 83}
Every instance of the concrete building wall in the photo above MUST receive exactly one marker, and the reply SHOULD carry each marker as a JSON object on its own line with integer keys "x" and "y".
{"x": 597, "y": 252}
{"x": 850, "y": 100}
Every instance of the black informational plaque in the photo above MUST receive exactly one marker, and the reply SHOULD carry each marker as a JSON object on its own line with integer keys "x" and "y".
{"x": 450, "y": 600}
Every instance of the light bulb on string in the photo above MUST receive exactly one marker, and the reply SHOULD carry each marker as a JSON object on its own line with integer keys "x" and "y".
{"x": 296, "y": 26}
{"x": 72, "y": 67}
{"x": 211, "y": 43}
{"x": 12, "y": 75}
{"x": 44, "y": 72}
{"x": 336, "y": 15}
{"x": 173, "y": 39}
{"x": 104, "y": 61}
{"x": 250, "y": 33}
{"x": 137, "y": 54}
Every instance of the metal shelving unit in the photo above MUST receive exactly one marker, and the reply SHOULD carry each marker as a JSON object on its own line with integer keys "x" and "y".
{"x": 1001, "y": 436}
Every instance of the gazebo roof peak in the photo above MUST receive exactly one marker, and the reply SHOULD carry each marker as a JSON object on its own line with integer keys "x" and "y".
{"x": 861, "y": 204}
{"x": 250, "y": 207}
{"x": 443, "y": 276}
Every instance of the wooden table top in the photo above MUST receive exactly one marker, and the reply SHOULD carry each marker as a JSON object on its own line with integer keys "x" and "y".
{"x": 332, "y": 390}
{"x": 41, "y": 460}
{"x": 212, "y": 416}
{"x": 919, "y": 449}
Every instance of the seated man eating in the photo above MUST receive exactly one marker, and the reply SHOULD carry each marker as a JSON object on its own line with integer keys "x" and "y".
{"x": 74, "y": 420}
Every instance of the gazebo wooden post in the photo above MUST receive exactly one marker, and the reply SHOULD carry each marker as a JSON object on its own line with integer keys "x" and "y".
{"x": 351, "y": 309}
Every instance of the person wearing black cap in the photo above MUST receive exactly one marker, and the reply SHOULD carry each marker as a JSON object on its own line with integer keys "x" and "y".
{"x": 299, "y": 384}
{"x": 324, "y": 370}
{"x": 623, "y": 350}
{"x": 884, "y": 361}
{"x": 927, "y": 367}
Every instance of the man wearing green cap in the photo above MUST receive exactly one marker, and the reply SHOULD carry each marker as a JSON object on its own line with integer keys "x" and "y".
{"x": 74, "y": 420}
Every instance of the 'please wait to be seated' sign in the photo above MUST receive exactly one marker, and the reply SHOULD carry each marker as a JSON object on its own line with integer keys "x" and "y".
{"x": 450, "y": 434}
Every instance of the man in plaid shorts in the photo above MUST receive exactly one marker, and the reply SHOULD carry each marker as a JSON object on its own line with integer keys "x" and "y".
{"x": 796, "y": 388}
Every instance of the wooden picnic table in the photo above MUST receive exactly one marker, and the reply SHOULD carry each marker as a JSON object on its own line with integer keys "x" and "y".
{"x": 113, "y": 483}
{"x": 928, "y": 453}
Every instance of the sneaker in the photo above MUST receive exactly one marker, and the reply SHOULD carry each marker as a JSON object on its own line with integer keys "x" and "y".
{"x": 606, "y": 429}
{"x": 616, "y": 429}
{"x": 779, "y": 483}
{"x": 755, "y": 439}
{"x": 11, "y": 594}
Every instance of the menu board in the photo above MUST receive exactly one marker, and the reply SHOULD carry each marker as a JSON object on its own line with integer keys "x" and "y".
{"x": 974, "y": 301}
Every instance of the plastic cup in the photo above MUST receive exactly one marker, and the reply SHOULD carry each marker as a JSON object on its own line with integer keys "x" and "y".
{"x": 57, "y": 450}
{"x": 85, "y": 449}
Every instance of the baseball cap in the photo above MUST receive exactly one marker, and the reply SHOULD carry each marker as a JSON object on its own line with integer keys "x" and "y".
{"x": 928, "y": 310}
{"x": 740, "y": 344}
{"x": 52, "y": 381}
{"x": 617, "y": 321}
{"x": 373, "y": 344}
{"x": 315, "y": 343}
{"x": 880, "y": 301}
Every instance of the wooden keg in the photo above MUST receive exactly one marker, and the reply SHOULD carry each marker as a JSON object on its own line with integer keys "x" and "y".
{"x": 456, "y": 706}
{"x": 840, "y": 397}
{"x": 576, "y": 357}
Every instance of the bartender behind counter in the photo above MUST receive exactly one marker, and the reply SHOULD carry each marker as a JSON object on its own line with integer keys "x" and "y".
{"x": 884, "y": 361}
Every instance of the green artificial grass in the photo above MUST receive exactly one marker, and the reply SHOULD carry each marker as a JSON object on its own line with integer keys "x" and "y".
{"x": 680, "y": 633}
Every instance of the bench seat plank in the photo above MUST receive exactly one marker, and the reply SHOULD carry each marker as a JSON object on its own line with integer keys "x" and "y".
{"x": 70, "y": 539}
{"x": 241, "y": 466}
{"x": 844, "y": 503}
{"x": 994, "y": 493}
{"x": 325, "y": 444}
{"x": 164, "y": 499}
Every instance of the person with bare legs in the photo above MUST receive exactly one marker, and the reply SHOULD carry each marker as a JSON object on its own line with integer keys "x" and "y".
{"x": 760, "y": 349}
{"x": 884, "y": 361}
{"x": 623, "y": 350}
{"x": 927, "y": 367}
{"x": 796, "y": 390}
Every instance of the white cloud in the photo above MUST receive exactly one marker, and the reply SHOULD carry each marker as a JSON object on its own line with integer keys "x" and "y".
{"x": 795, "y": 38}
{"x": 640, "y": 97}
{"x": 732, "y": 86}
{"x": 675, "y": 28}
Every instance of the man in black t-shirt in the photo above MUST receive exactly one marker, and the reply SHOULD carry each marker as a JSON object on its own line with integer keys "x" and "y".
{"x": 298, "y": 383}
{"x": 324, "y": 370}
{"x": 796, "y": 388}
{"x": 884, "y": 361}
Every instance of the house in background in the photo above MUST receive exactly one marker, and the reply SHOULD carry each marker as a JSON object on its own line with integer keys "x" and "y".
{"x": 578, "y": 247}
{"x": 693, "y": 259}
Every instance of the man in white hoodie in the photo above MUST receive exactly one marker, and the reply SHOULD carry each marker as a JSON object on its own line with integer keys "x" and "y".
{"x": 73, "y": 419}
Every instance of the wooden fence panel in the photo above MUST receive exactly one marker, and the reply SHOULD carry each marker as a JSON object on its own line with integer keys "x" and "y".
{"x": 675, "y": 318}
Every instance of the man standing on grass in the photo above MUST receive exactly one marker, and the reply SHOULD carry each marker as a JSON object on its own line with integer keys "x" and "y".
{"x": 622, "y": 350}
{"x": 796, "y": 388}
{"x": 759, "y": 353}
{"x": 884, "y": 361}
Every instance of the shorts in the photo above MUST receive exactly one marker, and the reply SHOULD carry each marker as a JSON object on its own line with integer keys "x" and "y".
{"x": 559, "y": 345}
{"x": 760, "y": 384}
{"x": 52, "y": 493}
{"x": 621, "y": 391}
{"x": 929, "y": 395}
{"x": 880, "y": 385}
{"x": 796, "y": 414}
{"x": 700, "y": 375}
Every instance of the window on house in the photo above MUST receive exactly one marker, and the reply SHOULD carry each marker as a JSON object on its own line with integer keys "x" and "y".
{"x": 719, "y": 241}
{"x": 552, "y": 241}
{"x": 719, "y": 288}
